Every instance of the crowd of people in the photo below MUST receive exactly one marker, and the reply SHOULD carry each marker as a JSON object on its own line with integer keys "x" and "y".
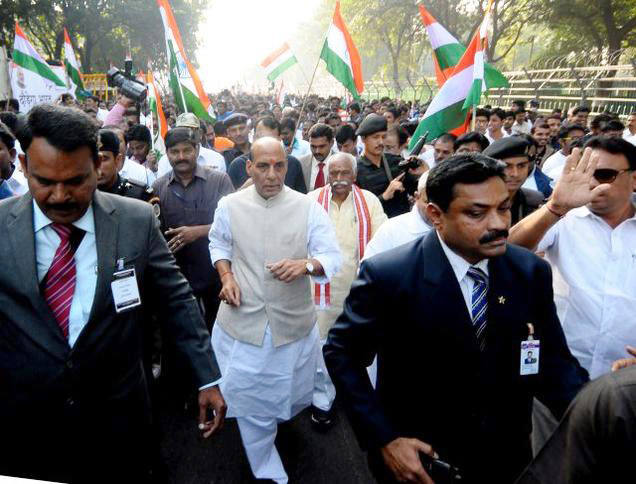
{"x": 456, "y": 301}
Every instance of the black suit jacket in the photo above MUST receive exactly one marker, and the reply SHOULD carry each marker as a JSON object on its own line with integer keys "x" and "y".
{"x": 82, "y": 413}
{"x": 433, "y": 382}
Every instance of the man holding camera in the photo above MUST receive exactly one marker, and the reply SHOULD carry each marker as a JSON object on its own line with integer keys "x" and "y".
{"x": 450, "y": 317}
{"x": 380, "y": 172}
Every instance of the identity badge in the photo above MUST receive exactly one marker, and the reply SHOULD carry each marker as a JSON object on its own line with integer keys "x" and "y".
{"x": 529, "y": 364}
{"x": 125, "y": 290}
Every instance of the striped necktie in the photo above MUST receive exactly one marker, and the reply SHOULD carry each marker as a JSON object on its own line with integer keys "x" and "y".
{"x": 59, "y": 282}
{"x": 479, "y": 304}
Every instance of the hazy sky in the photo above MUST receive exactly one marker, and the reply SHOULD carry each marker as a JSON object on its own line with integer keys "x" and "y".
{"x": 238, "y": 34}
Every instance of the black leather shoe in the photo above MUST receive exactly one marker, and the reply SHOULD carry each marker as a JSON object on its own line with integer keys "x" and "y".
{"x": 321, "y": 420}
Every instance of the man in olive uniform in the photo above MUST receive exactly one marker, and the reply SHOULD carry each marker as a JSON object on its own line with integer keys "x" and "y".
{"x": 379, "y": 173}
{"x": 513, "y": 151}
{"x": 108, "y": 177}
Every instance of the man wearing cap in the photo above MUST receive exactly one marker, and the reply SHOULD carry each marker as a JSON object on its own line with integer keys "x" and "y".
{"x": 111, "y": 160}
{"x": 207, "y": 157}
{"x": 238, "y": 132}
{"x": 513, "y": 151}
{"x": 379, "y": 172}
{"x": 188, "y": 196}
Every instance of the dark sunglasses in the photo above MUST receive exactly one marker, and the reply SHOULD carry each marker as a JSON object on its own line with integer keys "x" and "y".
{"x": 608, "y": 175}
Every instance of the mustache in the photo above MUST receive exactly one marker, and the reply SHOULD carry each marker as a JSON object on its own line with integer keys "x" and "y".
{"x": 493, "y": 235}
{"x": 62, "y": 207}
{"x": 338, "y": 184}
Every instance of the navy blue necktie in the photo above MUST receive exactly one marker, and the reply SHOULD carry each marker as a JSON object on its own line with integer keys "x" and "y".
{"x": 479, "y": 304}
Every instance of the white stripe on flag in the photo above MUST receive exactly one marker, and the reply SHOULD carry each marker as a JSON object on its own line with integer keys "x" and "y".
{"x": 338, "y": 45}
{"x": 453, "y": 91}
{"x": 439, "y": 36}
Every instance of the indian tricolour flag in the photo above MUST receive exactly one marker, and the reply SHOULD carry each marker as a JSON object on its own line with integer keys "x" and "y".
{"x": 342, "y": 57}
{"x": 184, "y": 80}
{"x": 159, "y": 129}
{"x": 279, "y": 61}
{"x": 72, "y": 67}
{"x": 447, "y": 52}
{"x": 33, "y": 81}
{"x": 449, "y": 109}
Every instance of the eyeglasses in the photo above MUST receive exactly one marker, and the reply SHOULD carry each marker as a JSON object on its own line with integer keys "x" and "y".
{"x": 608, "y": 175}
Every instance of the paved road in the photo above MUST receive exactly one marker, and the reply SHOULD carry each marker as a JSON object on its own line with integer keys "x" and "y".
{"x": 308, "y": 456}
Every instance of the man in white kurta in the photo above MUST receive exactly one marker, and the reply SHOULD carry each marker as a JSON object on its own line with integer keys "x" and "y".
{"x": 356, "y": 216}
{"x": 266, "y": 241}
{"x": 403, "y": 228}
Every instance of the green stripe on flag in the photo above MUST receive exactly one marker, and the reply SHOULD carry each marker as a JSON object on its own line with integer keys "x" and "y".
{"x": 32, "y": 64}
{"x": 441, "y": 122}
{"x": 494, "y": 78}
{"x": 449, "y": 55}
{"x": 282, "y": 68}
{"x": 474, "y": 94}
{"x": 339, "y": 69}
{"x": 192, "y": 101}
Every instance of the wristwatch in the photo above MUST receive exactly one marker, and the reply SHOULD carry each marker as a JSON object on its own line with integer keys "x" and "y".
{"x": 309, "y": 267}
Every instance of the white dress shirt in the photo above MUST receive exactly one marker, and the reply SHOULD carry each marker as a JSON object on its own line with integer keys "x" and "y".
{"x": 628, "y": 136}
{"x": 594, "y": 278}
{"x": 136, "y": 172}
{"x": 460, "y": 268}
{"x": 207, "y": 157}
{"x": 46, "y": 243}
{"x": 491, "y": 139}
{"x": 553, "y": 166}
{"x": 322, "y": 244}
{"x": 397, "y": 231}
{"x": 314, "y": 173}
{"x": 17, "y": 182}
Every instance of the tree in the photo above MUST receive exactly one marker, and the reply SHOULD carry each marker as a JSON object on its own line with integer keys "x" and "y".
{"x": 608, "y": 25}
{"x": 102, "y": 31}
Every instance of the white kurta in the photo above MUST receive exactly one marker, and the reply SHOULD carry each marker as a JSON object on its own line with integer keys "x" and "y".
{"x": 345, "y": 224}
{"x": 397, "y": 231}
{"x": 268, "y": 381}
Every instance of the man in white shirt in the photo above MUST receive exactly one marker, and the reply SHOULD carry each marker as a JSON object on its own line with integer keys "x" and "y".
{"x": 293, "y": 145}
{"x": 443, "y": 147}
{"x": 630, "y": 129}
{"x": 522, "y": 125}
{"x": 553, "y": 166}
{"x": 131, "y": 170}
{"x": 403, "y": 228}
{"x": 265, "y": 242}
{"x": 207, "y": 157}
{"x": 588, "y": 233}
{"x": 495, "y": 125}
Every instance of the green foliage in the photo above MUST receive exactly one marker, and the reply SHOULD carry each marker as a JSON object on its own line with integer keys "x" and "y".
{"x": 101, "y": 31}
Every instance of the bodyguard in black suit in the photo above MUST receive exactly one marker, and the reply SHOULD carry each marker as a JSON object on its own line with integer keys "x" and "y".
{"x": 74, "y": 403}
{"x": 449, "y": 382}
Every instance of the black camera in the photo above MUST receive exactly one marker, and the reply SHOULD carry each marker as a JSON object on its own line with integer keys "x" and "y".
{"x": 127, "y": 84}
{"x": 411, "y": 163}
{"x": 441, "y": 472}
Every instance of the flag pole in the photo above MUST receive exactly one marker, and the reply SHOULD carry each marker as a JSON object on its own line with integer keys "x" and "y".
{"x": 311, "y": 82}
